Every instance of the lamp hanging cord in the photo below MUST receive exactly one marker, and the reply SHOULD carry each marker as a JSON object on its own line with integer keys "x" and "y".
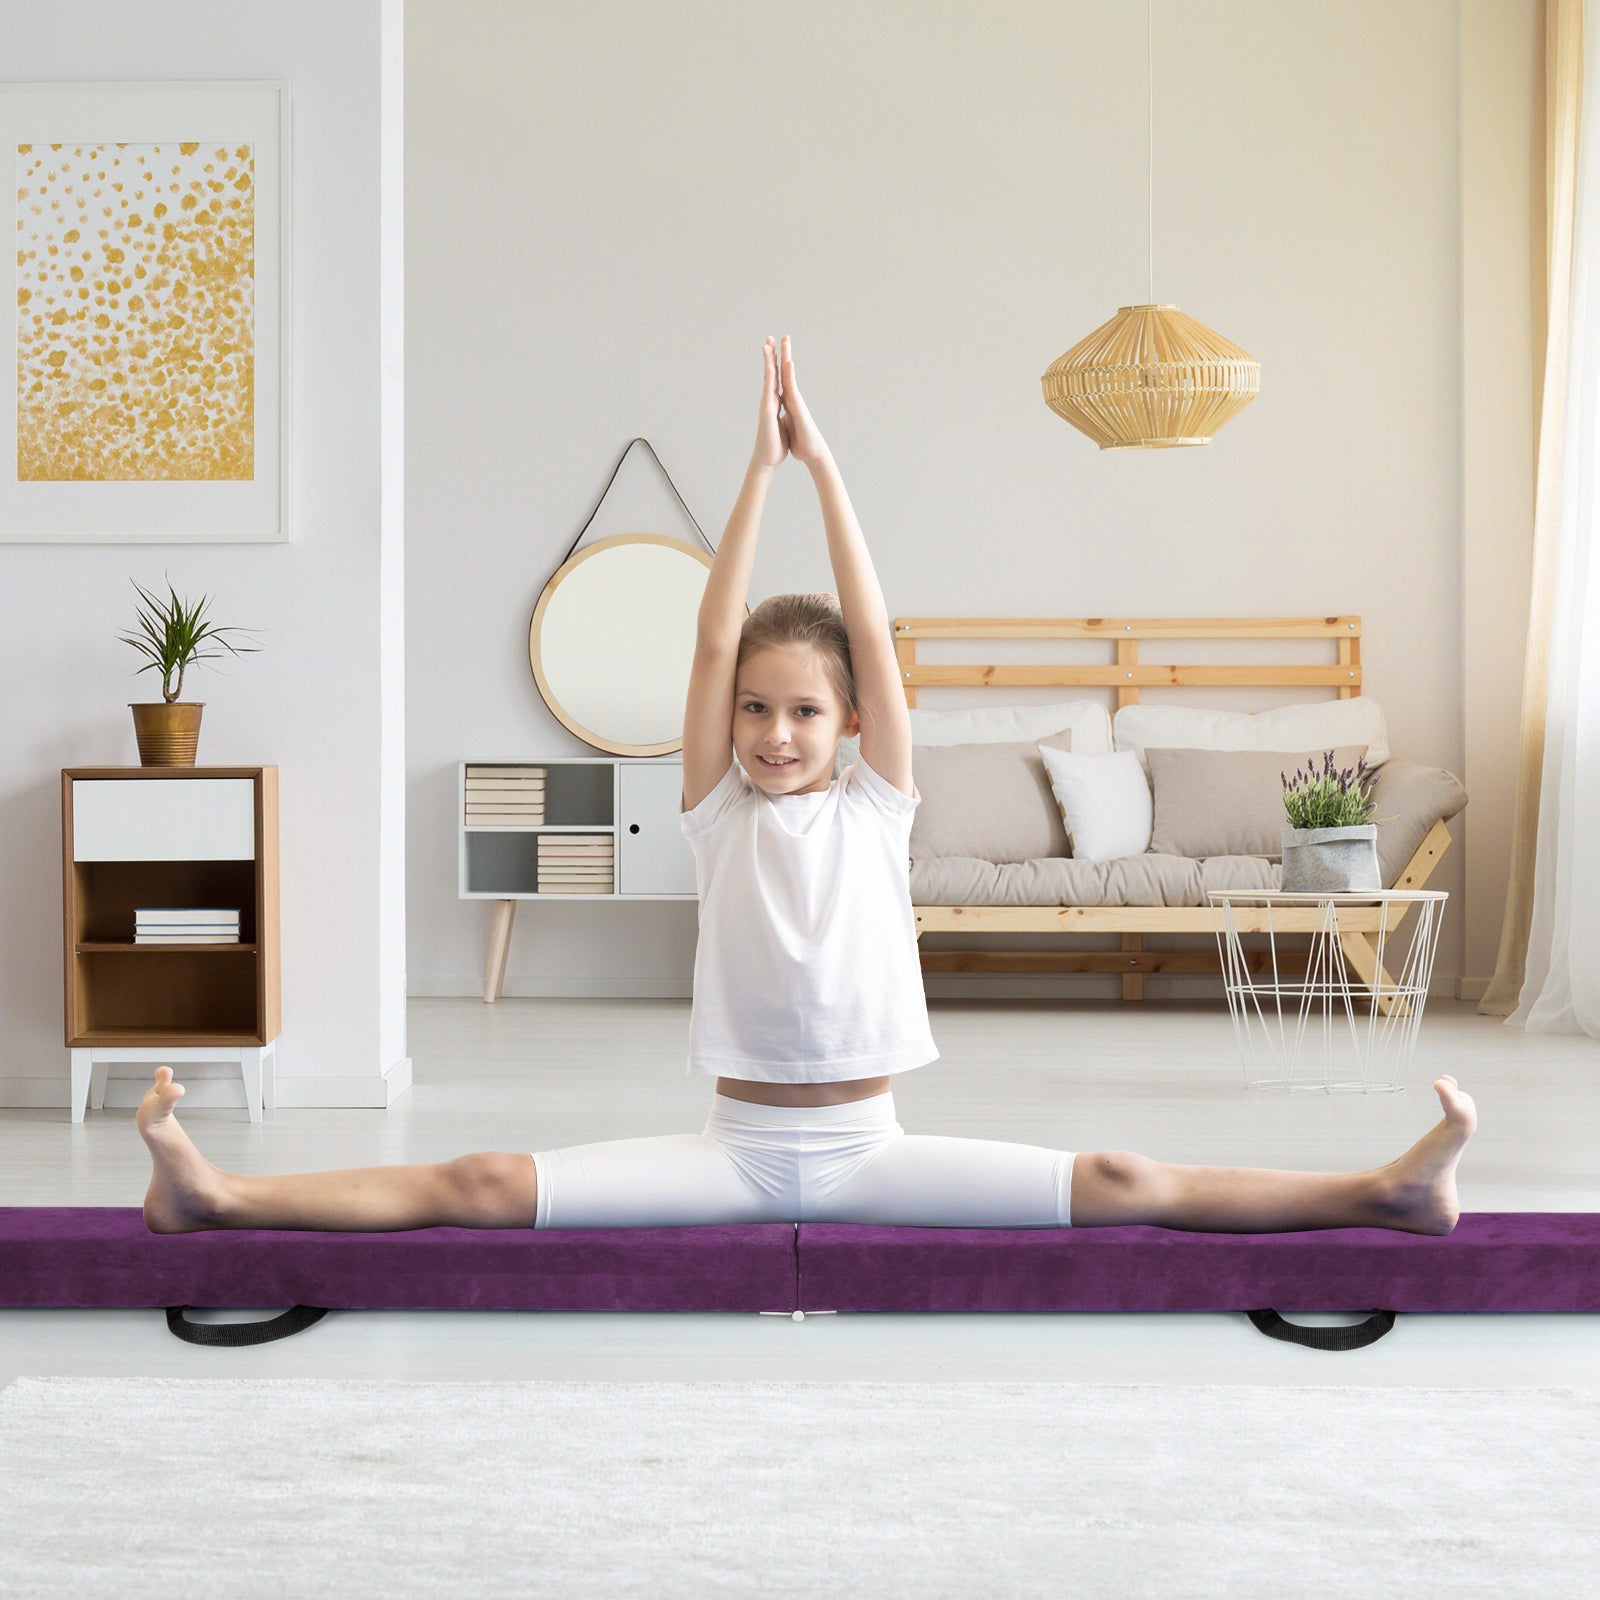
{"x": 1150, "y": 101}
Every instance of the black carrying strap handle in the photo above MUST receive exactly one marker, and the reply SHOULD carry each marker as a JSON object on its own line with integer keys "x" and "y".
{"x": 295, "y": 1320}
{"x": 1351, "y": 1338}
{"x": 298, "y": 1318}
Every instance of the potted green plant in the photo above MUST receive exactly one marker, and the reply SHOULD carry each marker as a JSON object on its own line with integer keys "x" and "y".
{"x": 1331, "y": 843}
{"x": 174, "y": 634}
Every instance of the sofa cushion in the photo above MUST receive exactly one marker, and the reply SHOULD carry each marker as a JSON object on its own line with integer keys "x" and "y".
{"x": 1407, "y": 799}
{"x": 1104, "y": 802}
{"x": 991, "y": 801}
{"x": 1141, "y": 880}
{"x": 1087, "y": 720}
{"x": 1316, "y": 725}
{"x": 1227, "y": 802}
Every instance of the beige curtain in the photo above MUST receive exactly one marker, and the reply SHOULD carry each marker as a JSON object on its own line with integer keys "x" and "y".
{"x": 1563, "y": 84}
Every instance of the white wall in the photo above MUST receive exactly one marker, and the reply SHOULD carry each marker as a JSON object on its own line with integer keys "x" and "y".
{"x": 611, "y": 205}
{"x": 314, "y": 701}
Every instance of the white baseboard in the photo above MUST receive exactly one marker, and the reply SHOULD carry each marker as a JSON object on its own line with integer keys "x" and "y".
{"x": 581, "y": 988}
{"x": 991, "y": 986}
{"x": 329, "y": 1093}
{"x": 214, "y": 1085}
{"x": 1041, "y": 986}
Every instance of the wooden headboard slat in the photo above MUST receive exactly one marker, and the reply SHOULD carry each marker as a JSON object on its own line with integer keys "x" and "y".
{"x": 1148, "y": 675}
{"x": 1127, "y": 627}
{"x": 1127, "y": 674}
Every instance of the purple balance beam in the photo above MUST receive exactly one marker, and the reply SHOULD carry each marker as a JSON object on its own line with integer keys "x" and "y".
{"x": 1493, "y": 1261}
{"x": 105, "y": 1256}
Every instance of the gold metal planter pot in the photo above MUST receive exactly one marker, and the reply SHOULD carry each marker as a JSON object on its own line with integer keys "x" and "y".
{"x": 168, "y": 732}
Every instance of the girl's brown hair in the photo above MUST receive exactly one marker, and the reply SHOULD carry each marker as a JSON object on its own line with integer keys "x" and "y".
{"x": 810, "y": 620}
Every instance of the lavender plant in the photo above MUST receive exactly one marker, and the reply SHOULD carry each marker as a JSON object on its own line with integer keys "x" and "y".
{"x": 1332, "y": 797}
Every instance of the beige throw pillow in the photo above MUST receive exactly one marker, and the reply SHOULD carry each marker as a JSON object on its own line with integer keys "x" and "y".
{"x": 1227, "y": 802}
{"x": 990, "y": 801}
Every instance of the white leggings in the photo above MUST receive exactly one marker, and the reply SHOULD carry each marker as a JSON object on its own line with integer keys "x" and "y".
{"x": 844, "y": 1163}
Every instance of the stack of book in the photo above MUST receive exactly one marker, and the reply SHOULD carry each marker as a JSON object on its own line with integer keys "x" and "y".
{"x": 184, "y": 925}
{"x": 575, "y": 863}
{"x": 505, "y": 797}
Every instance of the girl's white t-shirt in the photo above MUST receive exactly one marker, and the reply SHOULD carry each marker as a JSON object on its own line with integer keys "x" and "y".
{"x": 806, "y": 969}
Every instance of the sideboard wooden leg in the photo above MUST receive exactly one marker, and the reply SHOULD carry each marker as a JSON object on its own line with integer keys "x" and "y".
{"x": 494, "y": 976}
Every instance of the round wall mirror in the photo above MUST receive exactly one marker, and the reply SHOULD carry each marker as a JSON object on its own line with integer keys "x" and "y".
{"x": 612, "y": 641}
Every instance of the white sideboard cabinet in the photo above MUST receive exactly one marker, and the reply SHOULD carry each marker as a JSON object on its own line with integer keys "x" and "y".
{"x": 571, "y": 828}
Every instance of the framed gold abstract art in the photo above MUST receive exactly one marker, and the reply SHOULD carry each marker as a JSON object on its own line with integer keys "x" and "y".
{"x": 144, "y": 373}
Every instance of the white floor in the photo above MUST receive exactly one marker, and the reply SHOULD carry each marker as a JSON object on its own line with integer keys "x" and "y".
{"x": 1162, "y": 1078}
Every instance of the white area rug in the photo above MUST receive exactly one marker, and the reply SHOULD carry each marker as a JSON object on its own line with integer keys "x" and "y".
{"x": 256, "y": 1487}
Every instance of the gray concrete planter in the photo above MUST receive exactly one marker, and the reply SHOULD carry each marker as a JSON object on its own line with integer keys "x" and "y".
{"x": 1331, "y": 860}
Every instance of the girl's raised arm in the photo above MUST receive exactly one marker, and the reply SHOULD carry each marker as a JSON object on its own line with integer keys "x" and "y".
{"x": 880, "y": 696}
{"x": 708, "y": 712}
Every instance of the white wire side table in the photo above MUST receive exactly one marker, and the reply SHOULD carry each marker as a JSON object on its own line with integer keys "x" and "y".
{"x": 1341, "y": 1024}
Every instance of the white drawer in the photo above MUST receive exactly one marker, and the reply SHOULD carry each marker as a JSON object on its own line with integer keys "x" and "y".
{"x": 163, "y": 819}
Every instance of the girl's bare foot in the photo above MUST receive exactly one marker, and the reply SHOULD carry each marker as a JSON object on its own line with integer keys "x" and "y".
{"x": 1418, "y": 1192}
{"x": 186, "y": 1192}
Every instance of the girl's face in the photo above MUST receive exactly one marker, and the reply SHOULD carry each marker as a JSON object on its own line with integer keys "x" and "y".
{"x": 787, "y": 720}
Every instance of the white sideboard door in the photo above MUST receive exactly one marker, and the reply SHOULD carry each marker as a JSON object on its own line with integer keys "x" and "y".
{"x": 653, "y": 857}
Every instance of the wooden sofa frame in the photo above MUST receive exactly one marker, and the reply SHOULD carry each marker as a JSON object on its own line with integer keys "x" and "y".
{"x": 1128, "y": 676}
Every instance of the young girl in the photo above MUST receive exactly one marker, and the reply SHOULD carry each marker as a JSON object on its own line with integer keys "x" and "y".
{"x": 807, "y": 991}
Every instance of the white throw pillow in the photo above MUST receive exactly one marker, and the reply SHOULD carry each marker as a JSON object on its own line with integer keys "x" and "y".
{"x": 1317, "y": 725}
{"x": 1087, "y": 721}
{"x": 1104, "y": 801}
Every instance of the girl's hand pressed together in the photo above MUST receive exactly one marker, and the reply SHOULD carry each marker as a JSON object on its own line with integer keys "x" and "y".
{"x": 772, "y": 433}
{"x": 804, "y": 440}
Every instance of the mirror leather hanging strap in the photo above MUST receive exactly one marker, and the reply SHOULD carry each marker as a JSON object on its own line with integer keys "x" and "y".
{"x": 607, "y": 490}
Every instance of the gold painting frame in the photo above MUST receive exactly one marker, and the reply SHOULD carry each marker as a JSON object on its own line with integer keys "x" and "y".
{"x": 144, "y": 361}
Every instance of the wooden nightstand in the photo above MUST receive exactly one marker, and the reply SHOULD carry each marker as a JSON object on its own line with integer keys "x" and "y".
{"x": 170, "y": 837}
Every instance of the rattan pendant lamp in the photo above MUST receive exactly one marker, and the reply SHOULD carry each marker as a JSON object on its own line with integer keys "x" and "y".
{"x": 1151, "y": 378}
